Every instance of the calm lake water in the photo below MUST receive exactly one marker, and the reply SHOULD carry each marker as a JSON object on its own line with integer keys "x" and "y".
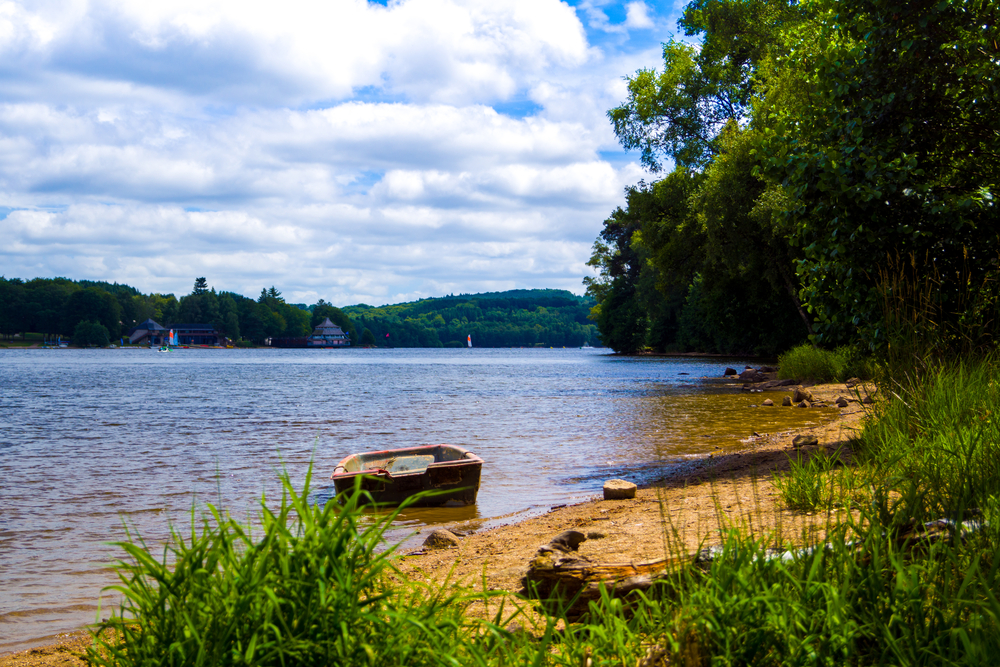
{"x": 92, "y": 439}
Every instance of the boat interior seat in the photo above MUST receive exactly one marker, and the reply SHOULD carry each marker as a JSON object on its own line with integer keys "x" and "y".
{"x": 409, "y": 463}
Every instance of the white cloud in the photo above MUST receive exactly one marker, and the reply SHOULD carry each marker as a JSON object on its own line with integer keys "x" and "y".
{"x": 428, "y": 50}
{"x": 637, "y": 15}
{"x": 339, "y": 149}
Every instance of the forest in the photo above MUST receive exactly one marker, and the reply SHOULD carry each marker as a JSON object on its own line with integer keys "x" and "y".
{"x": 99, "y": 313}
{"x": 819, "y": 171}
{"x": 516, "y": 318}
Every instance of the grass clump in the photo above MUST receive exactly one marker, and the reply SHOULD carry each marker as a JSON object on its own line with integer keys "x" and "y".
{"x": 315, "y": 587}
{"x": 810, "y": 482}
{"x": 940, "y": 432}
{"x": 806, "y": 362}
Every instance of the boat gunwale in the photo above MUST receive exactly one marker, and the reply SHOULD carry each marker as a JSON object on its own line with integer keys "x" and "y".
{"x": 468, "y": 459}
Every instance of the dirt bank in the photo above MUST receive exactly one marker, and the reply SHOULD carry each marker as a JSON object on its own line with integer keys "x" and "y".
{"x": 692, "y": 501}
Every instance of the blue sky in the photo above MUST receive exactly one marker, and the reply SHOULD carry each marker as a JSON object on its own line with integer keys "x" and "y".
{"x": 338, "y": 149}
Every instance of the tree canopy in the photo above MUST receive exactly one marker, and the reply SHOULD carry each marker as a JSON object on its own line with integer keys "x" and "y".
{"x": 825, "y": 142}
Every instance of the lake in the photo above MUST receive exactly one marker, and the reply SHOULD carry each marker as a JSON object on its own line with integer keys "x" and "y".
{"x": 92, "y": 440}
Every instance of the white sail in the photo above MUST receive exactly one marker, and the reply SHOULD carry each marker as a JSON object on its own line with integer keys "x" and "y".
{"x": 470, "y": 340}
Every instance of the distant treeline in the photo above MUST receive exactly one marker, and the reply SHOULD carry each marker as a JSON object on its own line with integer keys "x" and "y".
{"x": 517, "y": 318}
{"x": 101, "y": 311}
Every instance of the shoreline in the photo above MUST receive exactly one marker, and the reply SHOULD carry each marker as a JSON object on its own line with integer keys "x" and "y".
{"x": 693, "y": 499}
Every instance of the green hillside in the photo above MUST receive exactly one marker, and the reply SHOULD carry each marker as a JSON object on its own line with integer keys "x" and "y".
{"x": 516, "y": 318}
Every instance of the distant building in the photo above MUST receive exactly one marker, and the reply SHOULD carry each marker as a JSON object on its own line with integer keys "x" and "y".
{"x": 149, "y": 332}
{"x": 196, "y": 334}
{"x": 327, "y": 334}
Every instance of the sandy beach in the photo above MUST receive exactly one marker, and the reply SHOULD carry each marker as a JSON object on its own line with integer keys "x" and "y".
{"x": 692, "y": 501}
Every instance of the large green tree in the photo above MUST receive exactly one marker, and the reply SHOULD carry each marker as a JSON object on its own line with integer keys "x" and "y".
{"x": 885, "y": 133}
{"x": 92, "y": 304}
{"x": 708, "y": 236}
{"x": 677, "y": 113}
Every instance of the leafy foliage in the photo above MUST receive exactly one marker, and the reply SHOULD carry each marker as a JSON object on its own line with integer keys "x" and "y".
{"x": 89, "y": 333}
{"x": 678, "y": 113}
{"x": 831, "y": 138}
{"x": 887, "y": 147}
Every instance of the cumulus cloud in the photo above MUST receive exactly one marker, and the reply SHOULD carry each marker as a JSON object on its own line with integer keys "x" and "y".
{"x": 343, "y": 150}
{"x": 637, "y": 15}
{"x": 262, "y": 52}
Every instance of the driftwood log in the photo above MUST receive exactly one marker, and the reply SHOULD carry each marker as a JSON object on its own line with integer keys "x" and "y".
{"x": 566, "y": 582}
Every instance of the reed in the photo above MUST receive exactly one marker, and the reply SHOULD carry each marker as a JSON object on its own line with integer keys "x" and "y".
{"x": 316, "y": 586}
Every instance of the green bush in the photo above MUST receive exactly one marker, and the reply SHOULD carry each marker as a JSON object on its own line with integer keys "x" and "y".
{"x": 806, "y": 362}
{"x": 89, "y": 332}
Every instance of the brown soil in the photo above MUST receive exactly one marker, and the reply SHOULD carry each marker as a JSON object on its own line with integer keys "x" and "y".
{"x": 692, "y": 503}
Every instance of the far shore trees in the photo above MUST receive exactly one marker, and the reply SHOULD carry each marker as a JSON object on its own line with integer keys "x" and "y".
{"x": 518, "y": 318}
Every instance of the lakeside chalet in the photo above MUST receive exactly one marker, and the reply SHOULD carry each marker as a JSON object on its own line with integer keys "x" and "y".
{"x": 327, "y": 334}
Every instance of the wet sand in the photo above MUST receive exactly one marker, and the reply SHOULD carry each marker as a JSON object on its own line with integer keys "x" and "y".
{"x": 692, "y": 502}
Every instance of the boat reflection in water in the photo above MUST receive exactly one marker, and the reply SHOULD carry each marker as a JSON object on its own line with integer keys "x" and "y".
{"x": 449, "y": 472}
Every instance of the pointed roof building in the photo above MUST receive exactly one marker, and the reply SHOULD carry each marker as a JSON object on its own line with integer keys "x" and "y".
{"x": 327, "y": 328}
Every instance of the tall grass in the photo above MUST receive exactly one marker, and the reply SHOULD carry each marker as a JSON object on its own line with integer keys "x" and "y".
{"x": 810, "y": 482}
{"x": 315, "y": 587}
{"x": 941, "y": 434}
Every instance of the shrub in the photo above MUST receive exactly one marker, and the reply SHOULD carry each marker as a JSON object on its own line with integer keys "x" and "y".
{"x": 806, "y": 362}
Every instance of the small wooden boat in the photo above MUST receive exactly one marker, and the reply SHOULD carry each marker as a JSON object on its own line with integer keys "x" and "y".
{"x": 393, "y": 475}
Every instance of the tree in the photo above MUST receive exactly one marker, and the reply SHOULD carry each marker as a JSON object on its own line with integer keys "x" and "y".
{"x": 200, "y": 308}
{"x": 885, "y": 137}
{"x": 678, "y": 113}
{"x": 200, "y": 286}
{"x": 89, "y": 332}
{"x": 296, "y": 321}
{"x": 45, "y": 305}
{"x": 368, "y": 338}
{"x": 251, "y": 320}
{"x": 12, "y": 295}
{"x": 740, "y": 214}
{"x": 92, "y": 304}
{"x": 230, "y": 316}
{"x": 702, "y": 245}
